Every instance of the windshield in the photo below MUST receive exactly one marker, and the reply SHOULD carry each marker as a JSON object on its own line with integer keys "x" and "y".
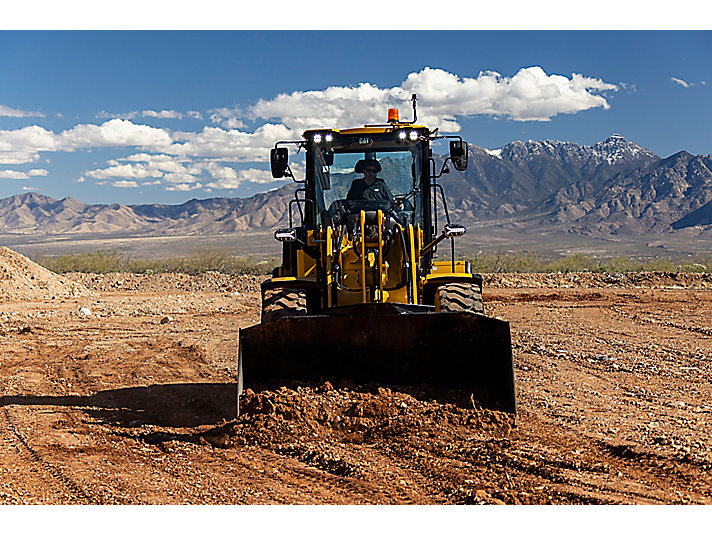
{"x": 392, "y": 188}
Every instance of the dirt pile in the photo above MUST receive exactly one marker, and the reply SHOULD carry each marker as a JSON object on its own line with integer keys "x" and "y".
{"x": 652, "y": 280}
{"x": 210, "y": 281}
{"x": 23, "y": 279}
{"x": 331, "y": 430}
{"x": 213, "y": 281}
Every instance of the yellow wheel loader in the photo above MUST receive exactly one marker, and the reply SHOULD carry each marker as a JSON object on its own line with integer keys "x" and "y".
{"x": 361, "y": 293}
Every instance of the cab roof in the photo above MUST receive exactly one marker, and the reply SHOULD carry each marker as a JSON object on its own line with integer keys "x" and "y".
{"x": 366, "y": 129}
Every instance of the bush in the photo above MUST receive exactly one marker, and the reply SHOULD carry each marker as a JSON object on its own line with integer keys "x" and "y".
{"x": 531, "y": 262}
{"x": 198, "y": 262}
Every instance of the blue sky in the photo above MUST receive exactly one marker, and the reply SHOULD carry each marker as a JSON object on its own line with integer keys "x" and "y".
{"x": 163, "y": 117}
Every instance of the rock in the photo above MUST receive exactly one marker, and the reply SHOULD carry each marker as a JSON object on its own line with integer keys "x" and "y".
{"x": 167, "y": 319}
{"x": 86, "y": 312}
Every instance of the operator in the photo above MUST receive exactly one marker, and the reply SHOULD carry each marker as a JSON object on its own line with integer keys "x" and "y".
{"x": 370, "y": 187}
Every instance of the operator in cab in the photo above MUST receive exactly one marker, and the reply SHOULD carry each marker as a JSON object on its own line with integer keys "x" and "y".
{"x": 370, "y": 187}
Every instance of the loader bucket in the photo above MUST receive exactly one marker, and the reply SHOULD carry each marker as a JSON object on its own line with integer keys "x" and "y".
{"x": 388, "y": 344}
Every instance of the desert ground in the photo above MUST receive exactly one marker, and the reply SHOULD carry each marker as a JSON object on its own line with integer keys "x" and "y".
{"x": 120, "y": 389}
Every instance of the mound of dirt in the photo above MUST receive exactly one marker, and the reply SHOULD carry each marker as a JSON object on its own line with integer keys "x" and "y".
{"x": 652, "y": 280}
{"x": 326, "y": 427}
{"x": 210, "y": 281}
{"x": 23, "y": 279}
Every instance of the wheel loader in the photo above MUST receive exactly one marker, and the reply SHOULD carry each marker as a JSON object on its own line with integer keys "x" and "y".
{"x": 366, "y": 290}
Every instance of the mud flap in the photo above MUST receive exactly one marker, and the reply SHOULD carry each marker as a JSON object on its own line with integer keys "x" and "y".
{"x": 385, "y": 344}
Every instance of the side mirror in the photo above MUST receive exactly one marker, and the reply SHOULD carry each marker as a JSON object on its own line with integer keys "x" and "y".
{"x": 454, "y": 230}
{"x": 458, "y": 154}
{"x": 279, "y": 160}
{"x": 329, "y": 158}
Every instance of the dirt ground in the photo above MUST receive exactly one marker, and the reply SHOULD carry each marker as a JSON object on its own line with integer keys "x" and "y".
{"x": 120, "y": 389}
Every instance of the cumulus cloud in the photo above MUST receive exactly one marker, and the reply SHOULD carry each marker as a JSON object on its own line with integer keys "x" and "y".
{"x": 530, "y": 95}
{"x": 115, "y": 133}
{"x": 123, "y": 171}
{"x": 183, "y": 187}
{"x": 682, "y": 82}
{"x": 226, "y": 117}
{"x": 9, "y": 112}
{"x": 237, "y": 178}
{"x": 25, "y": 144}
{"x": 164, "y": 114}
{"x": 232, "y": 145}
{"x": 13, "y": 175}
{"x": 124, "y": 183}
{"x": 9, "y": 174}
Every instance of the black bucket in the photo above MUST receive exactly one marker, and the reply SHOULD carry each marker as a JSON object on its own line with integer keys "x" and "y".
{"x": 387, "y": 344}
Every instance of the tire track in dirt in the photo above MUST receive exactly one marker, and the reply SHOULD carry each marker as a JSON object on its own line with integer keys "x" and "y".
{"x": 45, "y": 467}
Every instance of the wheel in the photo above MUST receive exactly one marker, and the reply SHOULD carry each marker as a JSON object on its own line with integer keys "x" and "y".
{"x": 459, "y": 298}
{"x": 282, "y": 302}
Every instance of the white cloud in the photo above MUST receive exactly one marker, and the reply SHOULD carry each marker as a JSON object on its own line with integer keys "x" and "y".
{"x": 124, "y": 183}
{"x": 226, "y": 117}
{"x": 9, "y": 174}
{"x": 184, "y": 187}
{"x": 28, "y": 188}
{"x": 13, "y": 175}
{"x": 230, "y": 145}
{"x": 116, "y": 133}
{"x": 195, "y": 115}
{"x": 25, "y": 144}
{"x": 9, "y": 112}
{"x": 682, "y": 82}
{"x": 134, "y": 171}
{"x": 164, "y": 114}
{"x": 530, "y": 95}
{"x": 237, "y": 178}
{"x": 130, "y": 116}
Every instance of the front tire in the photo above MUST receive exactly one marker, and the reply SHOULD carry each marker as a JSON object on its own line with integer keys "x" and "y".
{"x": 283, "y": 302}
{"x": 459, "y": 298}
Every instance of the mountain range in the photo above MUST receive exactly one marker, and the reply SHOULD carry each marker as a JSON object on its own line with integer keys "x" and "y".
{"x": 611, "y": 187}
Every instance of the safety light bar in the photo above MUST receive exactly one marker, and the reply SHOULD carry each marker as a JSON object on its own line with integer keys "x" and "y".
{"x": 286, "y": 235}
{"x": 319, "y": 137}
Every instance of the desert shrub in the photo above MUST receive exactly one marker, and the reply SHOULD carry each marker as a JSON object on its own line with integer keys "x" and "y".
{"x": 100, "y": 261}
{"x": 531, "y": 262}
{"x": 198, "y": 262}
{"x": 506, "y": 262}
{"x": 578, "y": 263}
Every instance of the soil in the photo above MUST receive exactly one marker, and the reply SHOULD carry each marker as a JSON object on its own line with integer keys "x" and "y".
{"x": 120, "y": 389}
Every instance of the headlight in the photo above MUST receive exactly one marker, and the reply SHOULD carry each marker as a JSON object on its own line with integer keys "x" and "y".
{"x": 401, "y": 134}
{"x": 413, "y": 135}
{"x": 328, "y": 138}
{"x": 317, "y": 138}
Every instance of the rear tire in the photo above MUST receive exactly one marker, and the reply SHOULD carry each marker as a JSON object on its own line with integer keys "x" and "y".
{"x": 282, "y": 302}
{"x": 459, "y": 298}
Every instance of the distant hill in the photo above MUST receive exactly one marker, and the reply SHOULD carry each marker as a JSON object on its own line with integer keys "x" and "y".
{"x": 611, "y": 187}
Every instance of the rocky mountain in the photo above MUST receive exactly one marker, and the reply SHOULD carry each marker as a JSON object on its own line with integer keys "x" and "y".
{"x": 35, "y": 213}
{"x": 611, "y": 187}
{"x": 539, "y": 176}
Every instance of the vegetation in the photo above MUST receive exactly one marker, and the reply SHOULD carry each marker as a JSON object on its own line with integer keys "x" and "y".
{"x": 199, "y": 261}
{"x": 531, "y": 262}
{"x": 217, "y": 260}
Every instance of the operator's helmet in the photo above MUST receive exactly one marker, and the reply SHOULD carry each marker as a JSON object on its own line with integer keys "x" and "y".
{"x": 363, "y": 163}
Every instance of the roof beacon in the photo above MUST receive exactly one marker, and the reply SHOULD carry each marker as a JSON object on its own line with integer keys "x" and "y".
{"x": 393, "y": 115}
